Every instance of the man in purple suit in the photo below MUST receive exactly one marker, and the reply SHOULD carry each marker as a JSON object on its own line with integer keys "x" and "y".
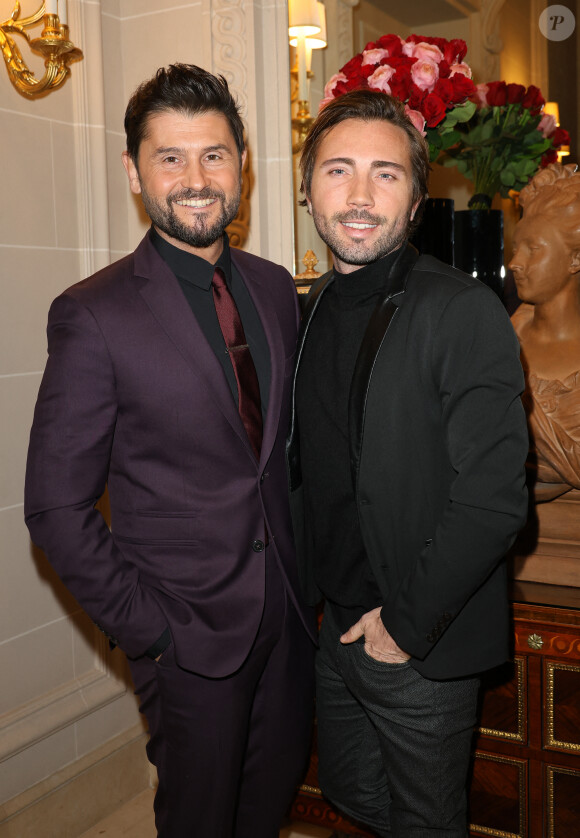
{"x": 168, "y": 380}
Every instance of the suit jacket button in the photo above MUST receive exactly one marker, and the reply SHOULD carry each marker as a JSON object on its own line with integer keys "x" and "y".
{"x": 257, "y": 546}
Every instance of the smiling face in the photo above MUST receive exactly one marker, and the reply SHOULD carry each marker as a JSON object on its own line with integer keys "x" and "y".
{"x": 542, "y": 263}
{"x": 361, "y": 191}
{"x": 188, "y": 174}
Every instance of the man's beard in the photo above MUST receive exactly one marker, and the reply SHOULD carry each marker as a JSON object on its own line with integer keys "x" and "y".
{"x": 198, "y": 232}
{"x": 360, "y": 252}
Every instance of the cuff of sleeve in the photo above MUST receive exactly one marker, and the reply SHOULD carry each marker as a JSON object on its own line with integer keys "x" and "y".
{"x": 159, "y": 646}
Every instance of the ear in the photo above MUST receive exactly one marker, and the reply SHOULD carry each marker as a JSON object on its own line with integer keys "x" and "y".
{"x": 132, "y": 173}
{"x": 414, "y": 209}
{"x": 243, "y": 159}
{"x": 308, "y": 205}
{"x": 575, "y": 262}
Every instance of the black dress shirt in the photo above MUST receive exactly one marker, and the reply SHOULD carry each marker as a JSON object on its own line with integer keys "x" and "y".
{"x": 195, "y": 275}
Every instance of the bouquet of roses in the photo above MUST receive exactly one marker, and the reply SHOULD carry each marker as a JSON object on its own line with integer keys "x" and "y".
{"x": 505, "y": 142}
{"x": 428, "y": 74}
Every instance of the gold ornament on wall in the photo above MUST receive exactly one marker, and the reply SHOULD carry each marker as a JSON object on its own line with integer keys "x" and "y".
{"x": 53, "y": 44}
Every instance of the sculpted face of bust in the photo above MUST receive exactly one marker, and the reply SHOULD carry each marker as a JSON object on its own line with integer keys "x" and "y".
{"x": 542, "y": 261}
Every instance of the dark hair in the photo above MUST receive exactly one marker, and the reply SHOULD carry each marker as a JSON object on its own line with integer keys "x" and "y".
{"x": 370, "y": 106}
{"x": 184, "y": 88}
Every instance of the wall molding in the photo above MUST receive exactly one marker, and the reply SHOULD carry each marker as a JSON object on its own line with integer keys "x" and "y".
{"x": 34, "y": 721}
{"x": 79, "y": 795}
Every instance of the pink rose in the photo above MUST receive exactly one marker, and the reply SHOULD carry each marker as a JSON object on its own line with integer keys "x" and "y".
{"x": 374, "y": 56}
{"x": 425, "y": 74}
{"x": 417, "y": 119}
{"x": 331, "y": 84}
{"x": 462, "y": 68}
{"x": 423, "y": 52}
{"x": 480, "y": 97}
{"x": 380, "y": 79}
{"x": 547, "y": 124}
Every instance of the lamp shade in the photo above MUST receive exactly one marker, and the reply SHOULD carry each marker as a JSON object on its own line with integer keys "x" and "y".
{"x": 552, "y": 108}
{"x": 304, "y": 18}
{"x": 318, "y": 40}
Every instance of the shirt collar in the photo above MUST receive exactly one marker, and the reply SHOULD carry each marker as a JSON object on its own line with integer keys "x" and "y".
{"x": 190, "y": 267}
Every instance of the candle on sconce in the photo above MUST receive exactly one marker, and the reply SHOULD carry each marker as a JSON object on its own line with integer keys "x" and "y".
{"x": 302, "y": 77}
{"x": 50, "y": 7}
{"x": 63, "y": 12}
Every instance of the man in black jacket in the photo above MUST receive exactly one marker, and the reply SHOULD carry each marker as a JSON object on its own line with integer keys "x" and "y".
{"x": 406, "y": 460}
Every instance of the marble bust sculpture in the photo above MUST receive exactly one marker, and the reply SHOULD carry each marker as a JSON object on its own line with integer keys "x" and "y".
{"x": 546, "y": 269}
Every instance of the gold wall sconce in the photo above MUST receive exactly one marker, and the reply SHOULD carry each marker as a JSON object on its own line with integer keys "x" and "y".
{"x": 53, "y": 44}
{"x": 307, "y": 31}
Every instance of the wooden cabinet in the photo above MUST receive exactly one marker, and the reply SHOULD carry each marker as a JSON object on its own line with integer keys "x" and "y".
{"x": 526, "y": 770}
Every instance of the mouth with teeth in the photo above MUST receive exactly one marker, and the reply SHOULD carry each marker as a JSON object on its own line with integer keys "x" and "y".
{"x": 196, "y": 203}
{"x": 357, "y": 225}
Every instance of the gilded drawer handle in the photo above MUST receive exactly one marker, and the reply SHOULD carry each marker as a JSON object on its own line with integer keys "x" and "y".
{"x": 535, "y": 641}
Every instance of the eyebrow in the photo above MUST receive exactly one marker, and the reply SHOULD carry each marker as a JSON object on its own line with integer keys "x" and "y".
{"x": 376, "y": 164}
{"x": 179, "y": 149}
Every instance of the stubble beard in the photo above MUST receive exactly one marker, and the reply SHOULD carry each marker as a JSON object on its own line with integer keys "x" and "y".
{"x": 361, "y": 253}
{"x": 199, "y": 232}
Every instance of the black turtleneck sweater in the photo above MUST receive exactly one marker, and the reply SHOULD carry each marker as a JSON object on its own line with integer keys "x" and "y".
{"x": 342, "y": 570}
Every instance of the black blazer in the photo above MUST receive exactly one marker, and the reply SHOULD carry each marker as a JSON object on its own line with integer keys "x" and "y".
{"x": 438, "y": 443}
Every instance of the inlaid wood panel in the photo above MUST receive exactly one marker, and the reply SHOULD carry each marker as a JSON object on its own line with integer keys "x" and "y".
{"x": 562, "y": 686}
{"x": 498, "y": 797}
{"x": 503, "y": 712}
{"x": 563, "y": 802}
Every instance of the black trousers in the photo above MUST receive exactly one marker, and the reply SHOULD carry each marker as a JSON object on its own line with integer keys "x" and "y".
{"x": 393, "y": 747}
{"x": 230, "y": 752}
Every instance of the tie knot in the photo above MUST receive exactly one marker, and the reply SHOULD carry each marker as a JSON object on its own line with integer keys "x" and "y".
{"x": 219, "y": 278}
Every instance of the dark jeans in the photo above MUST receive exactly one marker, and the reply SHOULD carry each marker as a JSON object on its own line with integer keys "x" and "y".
{"x": 393, "y": 746}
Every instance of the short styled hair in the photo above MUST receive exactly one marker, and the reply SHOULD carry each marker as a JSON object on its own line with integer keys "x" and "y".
{"x": 184, "y": 88}
{"x": 554, "y": 194}
{"x": 370, "y": 106}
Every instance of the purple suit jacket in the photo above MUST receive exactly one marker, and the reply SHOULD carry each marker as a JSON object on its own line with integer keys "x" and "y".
{"x": 133, "y": 397}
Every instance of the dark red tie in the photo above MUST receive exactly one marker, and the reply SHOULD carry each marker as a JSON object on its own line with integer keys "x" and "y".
{"x": 230, "y": 322}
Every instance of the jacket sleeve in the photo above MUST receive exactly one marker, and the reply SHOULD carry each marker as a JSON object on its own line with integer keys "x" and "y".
{"x": 68, "y": 462}
{"x": 478, "y": 379}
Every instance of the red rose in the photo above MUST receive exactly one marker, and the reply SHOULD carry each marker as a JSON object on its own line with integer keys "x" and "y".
{"x": 433, "y": 109}
{"x": 455, "y": 51}
{"x": 515, "y": 93}
{"x": 400, "y": 83}
{"x": 560, "y": 137}
{"x": 392, "y": 43}
{"x": 496, "y": 93}
{"x": 444, "y": 68}
{"x": 533, "y": 99}
{"x": 415, "y": 96}
{"x": 355, "y": 82}
{"x": 444, "y": 89}
{"x": 370, "y": 45}
{"x": 463, "y": 87}
{"x": 551, "y": 156}
{"x": 352, "y": 66}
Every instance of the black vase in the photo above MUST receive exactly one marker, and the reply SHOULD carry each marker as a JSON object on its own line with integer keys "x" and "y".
{"x": 434, "y": 235}
{"x": 479, "y": 246}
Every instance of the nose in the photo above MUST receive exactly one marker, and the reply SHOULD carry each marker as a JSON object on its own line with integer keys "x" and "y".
{"x": 515, "y": 262}
{"x": 360, "y": 193}
{"x": 194, "y": 176}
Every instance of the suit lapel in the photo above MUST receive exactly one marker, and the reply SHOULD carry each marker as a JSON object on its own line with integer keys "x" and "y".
{"x": 166, "y": 302}
{"x": 260, "y": 290}
{"x": 372, "y": 341}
